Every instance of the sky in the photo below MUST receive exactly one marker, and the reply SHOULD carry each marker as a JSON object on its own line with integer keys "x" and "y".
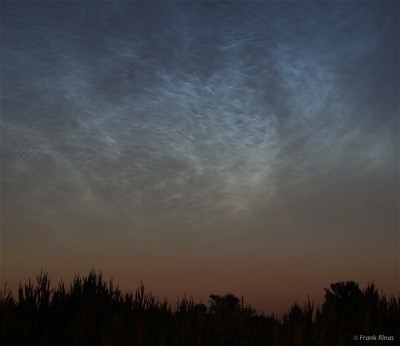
{"x": 202, "y": 147}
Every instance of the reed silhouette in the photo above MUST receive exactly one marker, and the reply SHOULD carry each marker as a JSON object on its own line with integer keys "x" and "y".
{"x": 92, "y": 311}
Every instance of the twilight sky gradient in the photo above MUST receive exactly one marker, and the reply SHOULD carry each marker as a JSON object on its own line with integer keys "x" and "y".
{"x": 243, "y": 147}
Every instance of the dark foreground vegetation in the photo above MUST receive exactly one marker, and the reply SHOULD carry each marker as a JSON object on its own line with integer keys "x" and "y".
{"x": 92, "y": 311}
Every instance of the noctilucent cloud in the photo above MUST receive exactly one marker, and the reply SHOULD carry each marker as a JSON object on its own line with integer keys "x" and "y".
{"x": 202, "y": 147}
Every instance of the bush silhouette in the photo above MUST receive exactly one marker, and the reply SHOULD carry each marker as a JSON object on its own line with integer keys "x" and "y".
{"x": 92, "y": 311}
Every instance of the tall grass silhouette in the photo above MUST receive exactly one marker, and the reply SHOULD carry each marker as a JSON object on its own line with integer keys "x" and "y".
{"x": 92, "y": 311}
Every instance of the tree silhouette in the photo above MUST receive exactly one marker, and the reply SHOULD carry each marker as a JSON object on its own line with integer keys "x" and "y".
{"x": 228, "y": 304}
